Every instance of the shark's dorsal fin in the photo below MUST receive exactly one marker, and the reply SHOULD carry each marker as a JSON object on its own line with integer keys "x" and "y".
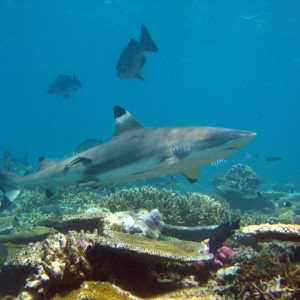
{"x": 191, "y": 175}
{"x": 45, "y": 162}
{"x": 124, "y": 121}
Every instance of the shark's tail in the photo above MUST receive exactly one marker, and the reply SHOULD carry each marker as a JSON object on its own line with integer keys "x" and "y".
{"x": 10, "y": 193}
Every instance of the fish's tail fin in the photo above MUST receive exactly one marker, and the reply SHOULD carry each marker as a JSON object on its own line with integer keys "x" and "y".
{"x": 77, "y": 82}
{"x": 146, "y": 41}
{"x": 8, "y": 189}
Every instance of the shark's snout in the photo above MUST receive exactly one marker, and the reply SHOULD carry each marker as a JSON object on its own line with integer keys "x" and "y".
{"x": 238, "y": 138}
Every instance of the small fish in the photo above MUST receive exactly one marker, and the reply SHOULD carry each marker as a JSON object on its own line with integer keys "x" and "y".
{"x": 132, "y": 57}
{"x": 64, "y": 85}
{"x": 87, "y": 144}
{"x": 221, "y": 233}
{"x": 218, "y": 162}
{"x": 273, "y": 158}
{"x": 287, "y": 204}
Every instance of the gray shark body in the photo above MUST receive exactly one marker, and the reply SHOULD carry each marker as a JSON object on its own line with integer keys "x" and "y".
{"x": 134, "y": 152}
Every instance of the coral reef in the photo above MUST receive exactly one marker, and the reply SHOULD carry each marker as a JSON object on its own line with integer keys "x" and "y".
{"x": 240, "y": 187}
{"x": 74, "y": 222}
{"x": 142, "y": 223}
{"x": 199, "y": 209}
{"x": 192, "y": 209}
{"x": 25, "y": 236}
{"x": 146, "y": 197}
{"x": 94, "y": 290}
{"x": 282, "y": 232}
{"x": 64, "y": 261}
{"x": 33, "y": 203}
{"x": 8, "y": 223}
{"x": 256, "y": 276}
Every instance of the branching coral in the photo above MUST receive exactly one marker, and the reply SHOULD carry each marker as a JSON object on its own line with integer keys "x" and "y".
{"x": 240, "y": 186}
{"x": 146, "y": 197}
{"x": 199, "y": 209}
{"x": 261, "y": 276}
{"x": 192, "y": 209}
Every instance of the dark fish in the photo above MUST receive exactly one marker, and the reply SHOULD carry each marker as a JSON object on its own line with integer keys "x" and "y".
{"x": 273, "y": 158}
{"x": 221, "y": 233}
{"x": 132, "y": 57}
{"x": 64, "y": 85}
{"x": 3, "y": 254}
{"x": 17, "y": 166}
{"x": 287, "y": 204}
{"x": 87, "y": 144}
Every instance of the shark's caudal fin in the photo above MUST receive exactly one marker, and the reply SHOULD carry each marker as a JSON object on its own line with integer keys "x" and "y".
{"x": 6, "y": 185}
{"x": 124, "y": 120}
{"x": 146, "y": 41}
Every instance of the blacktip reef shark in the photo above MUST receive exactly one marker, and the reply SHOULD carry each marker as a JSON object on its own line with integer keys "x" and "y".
{"x": 133, "y": 152}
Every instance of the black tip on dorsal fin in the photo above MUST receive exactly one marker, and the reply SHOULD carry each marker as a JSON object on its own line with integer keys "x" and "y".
{"x": 119, "y": 111}
{"x": 41, "y": 158}
{"x": 124, "y": 120}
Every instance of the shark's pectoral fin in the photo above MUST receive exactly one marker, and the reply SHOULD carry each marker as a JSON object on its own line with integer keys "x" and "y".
{"x": 8, "y": 198}
{"x": 83, "y": 160}
{"x": 165, "y": 163}
{"x": 191, "y": 175}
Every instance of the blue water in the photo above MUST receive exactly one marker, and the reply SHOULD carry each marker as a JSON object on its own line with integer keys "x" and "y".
{"x": 220, "y": 63}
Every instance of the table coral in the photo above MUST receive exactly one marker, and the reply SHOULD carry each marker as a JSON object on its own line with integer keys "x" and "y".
{"x": 64, "y": 261}
{"x": 282, "y": 232}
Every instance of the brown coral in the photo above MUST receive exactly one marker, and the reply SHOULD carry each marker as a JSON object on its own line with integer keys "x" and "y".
{"x": 64, "y": 261}
{"x": 192, "y": 209}
{"x": 282, "y": 232}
